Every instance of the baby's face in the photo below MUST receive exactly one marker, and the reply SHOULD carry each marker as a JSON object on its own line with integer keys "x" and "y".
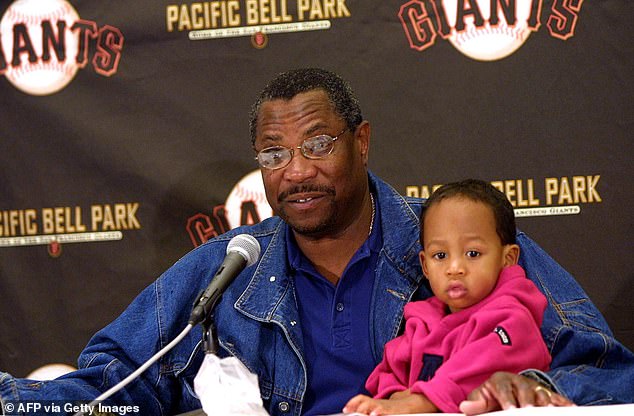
{"x": 462, "y": 254}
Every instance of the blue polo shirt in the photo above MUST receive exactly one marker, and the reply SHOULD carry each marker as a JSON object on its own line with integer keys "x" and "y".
{"x": 335, "y": 324}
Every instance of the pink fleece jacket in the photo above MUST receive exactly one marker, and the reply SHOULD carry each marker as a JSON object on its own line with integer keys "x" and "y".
{"x": 445, "y": 356}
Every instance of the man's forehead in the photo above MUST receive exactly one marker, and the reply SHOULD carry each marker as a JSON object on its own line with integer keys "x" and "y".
{"x": 304, "y": 106}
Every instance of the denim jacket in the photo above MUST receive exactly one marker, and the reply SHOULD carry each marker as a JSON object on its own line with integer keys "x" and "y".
{"x": 257, "y": 320}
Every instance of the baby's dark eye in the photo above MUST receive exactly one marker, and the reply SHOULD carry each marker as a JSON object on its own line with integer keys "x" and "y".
{"x": 473, "y": 253}
{"x": 440, "y": 256}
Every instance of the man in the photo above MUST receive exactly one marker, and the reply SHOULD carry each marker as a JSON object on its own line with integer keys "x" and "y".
{"x": 338, "y": 264}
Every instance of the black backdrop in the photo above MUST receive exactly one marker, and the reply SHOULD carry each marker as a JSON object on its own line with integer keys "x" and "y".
{"x": 132, "y": 160}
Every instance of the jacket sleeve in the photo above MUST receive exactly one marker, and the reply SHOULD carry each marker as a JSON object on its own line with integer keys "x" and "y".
{"x": 98, "y": 371}
{"x": 501, "y": 336}
{"x": 589, "y": 365}
{"x": 392, "y": 373}
{"x": 386, "y": 378}
{"x": 120, "y": 348}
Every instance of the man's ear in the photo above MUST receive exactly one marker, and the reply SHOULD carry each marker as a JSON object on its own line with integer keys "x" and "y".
{"x": 362, "y": 135}
{"x": 511, "y": 254}
{"x": 423, "y": 264}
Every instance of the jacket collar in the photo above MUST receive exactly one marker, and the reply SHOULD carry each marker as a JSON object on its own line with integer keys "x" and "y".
{"x": 401, "y": 248}
{"x": 270, "y": 297}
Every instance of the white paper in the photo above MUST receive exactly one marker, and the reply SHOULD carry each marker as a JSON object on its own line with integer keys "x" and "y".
{"x": 226, "y": 387}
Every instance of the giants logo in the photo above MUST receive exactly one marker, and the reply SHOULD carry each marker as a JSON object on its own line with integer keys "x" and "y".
{"x": 484, "y": 30}
{"x": 245, "y": 205}
{"x": 44, "y": 43}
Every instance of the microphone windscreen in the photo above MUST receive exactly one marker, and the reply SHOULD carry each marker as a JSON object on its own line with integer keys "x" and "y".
{"x": 247, "y": 246}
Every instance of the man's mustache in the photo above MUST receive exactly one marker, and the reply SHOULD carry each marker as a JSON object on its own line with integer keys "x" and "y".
{"x": 300, "y": 189}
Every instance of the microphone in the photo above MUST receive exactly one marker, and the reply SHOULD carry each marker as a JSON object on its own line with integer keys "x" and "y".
{"x": 243, "y": 251}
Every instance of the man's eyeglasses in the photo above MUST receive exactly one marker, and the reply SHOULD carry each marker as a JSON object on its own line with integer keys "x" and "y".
{"x": 317, "y": 147}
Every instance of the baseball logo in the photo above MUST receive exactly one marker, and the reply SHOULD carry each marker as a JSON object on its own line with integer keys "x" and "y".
{"x": 249, "y": 189}
{"x": 484, "y": 41}
{"x": 34, "y": 75}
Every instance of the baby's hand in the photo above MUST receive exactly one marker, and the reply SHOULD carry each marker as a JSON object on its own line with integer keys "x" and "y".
{"x": 404, "y": 402}
{"x": 365, "y": 405}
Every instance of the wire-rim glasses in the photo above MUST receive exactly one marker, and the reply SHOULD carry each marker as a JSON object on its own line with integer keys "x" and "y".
{"x": 316, "y": 147}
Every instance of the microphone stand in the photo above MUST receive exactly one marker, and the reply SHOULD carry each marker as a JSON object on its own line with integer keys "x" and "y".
{"x": 210, "y": 338}
{"x": 247, "y": 249}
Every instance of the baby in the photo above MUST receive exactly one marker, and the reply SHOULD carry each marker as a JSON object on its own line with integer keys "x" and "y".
{"x": 485, "y": 315}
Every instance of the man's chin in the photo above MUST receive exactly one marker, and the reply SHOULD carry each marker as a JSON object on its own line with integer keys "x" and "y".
{"x": 309, "y": 229}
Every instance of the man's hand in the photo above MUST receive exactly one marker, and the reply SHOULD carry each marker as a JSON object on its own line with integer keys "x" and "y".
{"x": 507, "y": 390}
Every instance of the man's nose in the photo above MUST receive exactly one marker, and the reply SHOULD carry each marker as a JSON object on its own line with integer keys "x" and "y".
{"x": 299, "y": 168}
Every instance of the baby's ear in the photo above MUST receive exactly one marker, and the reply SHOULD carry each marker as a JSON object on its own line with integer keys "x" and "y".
{"x": 511, "y": 254}
{"x": 421, "y": 258}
